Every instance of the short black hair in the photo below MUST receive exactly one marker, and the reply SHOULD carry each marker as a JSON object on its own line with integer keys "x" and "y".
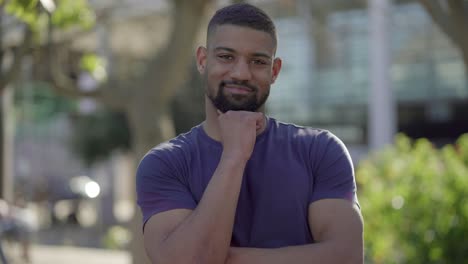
{"x": 244, "y": 15}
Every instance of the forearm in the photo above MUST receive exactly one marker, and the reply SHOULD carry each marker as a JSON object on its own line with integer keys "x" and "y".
{"x": 323, "y": 253}
{"x": 205, "y": 235}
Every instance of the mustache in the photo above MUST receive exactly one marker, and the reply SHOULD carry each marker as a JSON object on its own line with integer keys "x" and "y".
{"x": 239, "y": 83}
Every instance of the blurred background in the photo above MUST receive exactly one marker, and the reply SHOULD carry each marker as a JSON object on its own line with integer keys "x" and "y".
{"x": 88, "y": 86}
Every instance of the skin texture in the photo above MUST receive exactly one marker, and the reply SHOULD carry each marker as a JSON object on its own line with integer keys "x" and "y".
{"x": 243, "y": 60}
{"x": 239, "y": 75}
{"x": 240, "y": 55}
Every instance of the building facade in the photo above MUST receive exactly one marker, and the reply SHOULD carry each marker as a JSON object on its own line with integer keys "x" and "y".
{"x": 325, "y": 78}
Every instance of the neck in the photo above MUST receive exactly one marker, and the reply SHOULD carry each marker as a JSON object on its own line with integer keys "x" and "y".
{"x": 211, "y": 125}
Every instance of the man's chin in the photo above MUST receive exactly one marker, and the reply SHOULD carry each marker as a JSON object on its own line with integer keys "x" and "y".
{"x": 224, "y": 109}
{"x": 234, "y": 103}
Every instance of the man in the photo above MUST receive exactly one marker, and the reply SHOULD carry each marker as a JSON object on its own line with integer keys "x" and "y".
{"x": 242, "y": 187}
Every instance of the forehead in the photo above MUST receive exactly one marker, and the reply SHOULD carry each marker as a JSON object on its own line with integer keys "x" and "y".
{"x": 241, "y": 39}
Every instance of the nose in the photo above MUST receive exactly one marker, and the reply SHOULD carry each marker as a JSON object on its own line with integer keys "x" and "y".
{"x": 241, "y": 71}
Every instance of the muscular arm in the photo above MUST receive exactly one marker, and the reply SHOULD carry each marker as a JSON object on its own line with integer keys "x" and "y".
{"x": 204, "y": 234}
{"x": 338, "y": 231}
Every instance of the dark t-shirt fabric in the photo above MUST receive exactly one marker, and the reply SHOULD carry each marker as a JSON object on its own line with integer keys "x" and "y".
{"x": 290, "y": 167}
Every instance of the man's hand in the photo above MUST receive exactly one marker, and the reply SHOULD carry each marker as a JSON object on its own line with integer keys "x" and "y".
{"x": 238, "y": 131}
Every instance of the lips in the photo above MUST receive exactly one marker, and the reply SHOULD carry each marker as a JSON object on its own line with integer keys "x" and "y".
{"x": 236, "y": 89}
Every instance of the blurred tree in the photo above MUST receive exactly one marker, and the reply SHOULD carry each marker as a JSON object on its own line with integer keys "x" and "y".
{"x": 414, "y": 202}
{"x": 320, "y": 12}
{"x": 452, "y": 18}
{"x": 146, "y": 100}
{"x": 188, "y": 106}
{"x": 97, "y": 135}
{"x": 23, "y": 23}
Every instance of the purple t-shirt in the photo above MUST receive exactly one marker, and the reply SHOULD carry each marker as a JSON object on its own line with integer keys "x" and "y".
{"x": 290, "y": 167}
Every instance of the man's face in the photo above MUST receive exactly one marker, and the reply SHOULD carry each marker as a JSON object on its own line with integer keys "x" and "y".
{"x": 238, "y": 66}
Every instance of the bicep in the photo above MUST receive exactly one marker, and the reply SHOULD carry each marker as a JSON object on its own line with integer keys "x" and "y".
{"x": 161, "y": 186}
{"x": 337, "y": 221}
{"x": 160, "y": 226}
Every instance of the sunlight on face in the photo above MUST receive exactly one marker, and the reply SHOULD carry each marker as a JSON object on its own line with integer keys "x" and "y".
{"x": 240, "y": 68}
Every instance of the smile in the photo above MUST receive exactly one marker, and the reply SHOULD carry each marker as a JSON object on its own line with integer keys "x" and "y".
{"x": 234, "y": 89}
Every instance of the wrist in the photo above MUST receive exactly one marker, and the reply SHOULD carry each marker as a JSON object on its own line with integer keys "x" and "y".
{"x": 233, "y": 159}
{"x": 239, "y": 255}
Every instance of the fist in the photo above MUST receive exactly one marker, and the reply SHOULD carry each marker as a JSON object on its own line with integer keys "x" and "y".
{"x": 238, "y": 131}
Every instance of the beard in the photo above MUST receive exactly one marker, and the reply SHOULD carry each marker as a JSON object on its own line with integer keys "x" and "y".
{"x": 235, "y": 102}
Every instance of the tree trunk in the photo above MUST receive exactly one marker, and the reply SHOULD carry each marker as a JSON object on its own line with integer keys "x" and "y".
{"x": 2, "y": 151}
{"x": 149, "y": 127}
{"x": 465, "y": 63}
{"x": 6, "y": 145}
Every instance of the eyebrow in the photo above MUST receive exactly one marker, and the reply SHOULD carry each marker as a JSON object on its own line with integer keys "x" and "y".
{"x": 255, "y": 54}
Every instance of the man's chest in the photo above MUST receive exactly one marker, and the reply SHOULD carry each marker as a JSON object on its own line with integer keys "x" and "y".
{"x": 271, "y": 179}
{"x": 273, "y": 200}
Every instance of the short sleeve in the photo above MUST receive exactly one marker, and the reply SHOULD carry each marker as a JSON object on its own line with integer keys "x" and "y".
{"x": 333, "y": 172}
{"x": 160, "y": 186}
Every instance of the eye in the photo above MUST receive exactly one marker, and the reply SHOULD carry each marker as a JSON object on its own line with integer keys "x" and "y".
{"x": 226, "y": 57}
{"x": 259, "y": 62}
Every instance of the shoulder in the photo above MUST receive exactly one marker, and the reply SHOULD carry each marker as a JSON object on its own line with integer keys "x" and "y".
{"x": 176, "y": 146}
{"x": 316, "y": 136}
{"x": 317, "y": 143}
{"x": 171, "y": 154}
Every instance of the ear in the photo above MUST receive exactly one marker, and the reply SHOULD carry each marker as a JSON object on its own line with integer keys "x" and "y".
{"x": 201, "y": 59}
{"x": 277, "y": 63}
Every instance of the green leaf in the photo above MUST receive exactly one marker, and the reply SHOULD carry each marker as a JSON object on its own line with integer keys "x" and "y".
{"x": 73, "y": 13}
{"x": 414, "y": 202}
{"x": 94, "y": 65}
{"x": 25, "y": 10}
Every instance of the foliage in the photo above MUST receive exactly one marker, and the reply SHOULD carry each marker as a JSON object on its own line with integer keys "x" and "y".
{"x": 97, "y": 135}
{"x": 117, "y": 237}
{"x": 94, "y": 65}
{"x": 73, "y": 12}
{"x": 24, "y": 10}
{"x": 414, "y": 200}
{"x": 66, "y": 14}
{"x": 36, "y": 102}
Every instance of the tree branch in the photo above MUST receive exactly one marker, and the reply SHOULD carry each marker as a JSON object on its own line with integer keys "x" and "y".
{"x": 109, "y": 92}
{"x": 170, "y": 68}
{"x": 441, "y": 19}
{"x": 459, "y": 16}
{"x": 452, "y": 23}
{"x": 63, "y": 84}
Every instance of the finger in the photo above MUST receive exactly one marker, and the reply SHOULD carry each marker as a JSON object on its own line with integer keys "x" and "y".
{"x": 259, "y": 121}
{"x": 219, "y": 112}
{"x": 260, "y": 117}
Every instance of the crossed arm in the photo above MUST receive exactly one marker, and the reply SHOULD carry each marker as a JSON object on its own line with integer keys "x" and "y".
{"x": 337, "y": 228}
{"x": 203, "y": 235}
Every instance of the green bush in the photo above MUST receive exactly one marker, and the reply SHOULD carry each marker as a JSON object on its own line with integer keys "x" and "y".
{"x": 117, "y": 237}
{"x": 414, "y": 200}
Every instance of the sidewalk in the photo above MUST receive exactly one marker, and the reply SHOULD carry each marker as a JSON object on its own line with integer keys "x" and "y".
{"x": 73, "y": 255}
